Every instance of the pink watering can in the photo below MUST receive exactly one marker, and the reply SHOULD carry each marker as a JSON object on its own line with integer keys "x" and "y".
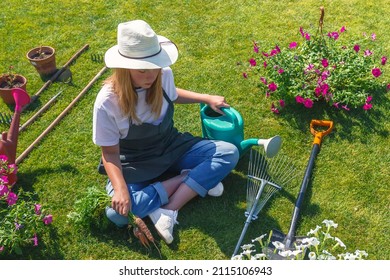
{"x": 9, "y": 140}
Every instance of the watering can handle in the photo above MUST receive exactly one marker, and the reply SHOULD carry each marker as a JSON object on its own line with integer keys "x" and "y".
{"x": 319, "y": 134}
{"x": 230, "y": 114}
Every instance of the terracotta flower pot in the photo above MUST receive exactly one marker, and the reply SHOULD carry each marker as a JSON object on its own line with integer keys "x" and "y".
{"x": 6, "y": 90}
{"x": 44, "y": 60}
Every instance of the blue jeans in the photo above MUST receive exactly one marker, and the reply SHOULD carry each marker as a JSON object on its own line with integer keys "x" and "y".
{"x": 209, "y": 162}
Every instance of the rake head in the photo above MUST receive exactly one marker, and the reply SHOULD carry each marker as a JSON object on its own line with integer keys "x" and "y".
{"x": 265, "y": 177}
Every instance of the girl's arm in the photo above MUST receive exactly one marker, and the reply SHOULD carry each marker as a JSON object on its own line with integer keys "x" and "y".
{"x": 214, "y": 101}
{"x": 121, "y": 202}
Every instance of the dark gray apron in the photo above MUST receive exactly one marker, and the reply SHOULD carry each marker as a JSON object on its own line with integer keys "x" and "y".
{"x": 149, "y": 150}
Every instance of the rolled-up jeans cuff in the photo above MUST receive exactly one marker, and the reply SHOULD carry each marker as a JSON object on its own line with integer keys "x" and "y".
{"x": 195, "y": 186}
{"x": 162, "y": 193}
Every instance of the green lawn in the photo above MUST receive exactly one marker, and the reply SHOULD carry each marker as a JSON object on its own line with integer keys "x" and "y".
{"x": 350, "y": 182}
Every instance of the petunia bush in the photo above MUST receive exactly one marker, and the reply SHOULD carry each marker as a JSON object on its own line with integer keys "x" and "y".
{"x": 22, "y": 219}
{"x": 322, "y": 67}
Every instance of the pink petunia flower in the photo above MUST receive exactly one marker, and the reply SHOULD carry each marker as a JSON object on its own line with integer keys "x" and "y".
{"x": 373, "y": 36}
{"x": 367, "y": 53}
{"x": 282, "y": 103}
{"x": 37, "y": 209}
{"x": 369, "y": 99}
{"x": 383, "y": 60}
{"x": 308, "y": 103}
{"x": 343, "y": 29}
{"x": 356, "y": 48}
{"x": 299, "y": 99}
{"x": 334, "y": 35}
{"x": 376, "y": 72}
{"x": 11, "y": 198}
{"x": 252, "y": 62}
{"x": 280, "y": 71}
{"x": 367, "y": 106}
{"x": 293, "y": 45}
{"x": 255, "y": 47}
{"x": 35, "y": 239}
{"x": 48, "y": 219}
{"x": 3, "y": 159}
{"x": 265, "y": 64}
{"x": 3, "y": 190}
{"x": 324, "y": 62}
{"x": 274, "y": 109}
{"x": 272, "y": 86}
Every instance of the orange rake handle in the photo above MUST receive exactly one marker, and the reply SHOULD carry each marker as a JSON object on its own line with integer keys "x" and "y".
{"x": 328, "y": 125}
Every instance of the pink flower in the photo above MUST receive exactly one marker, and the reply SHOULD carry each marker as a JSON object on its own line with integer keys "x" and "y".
{"x": 383, "y": 60}
{"x": 4, "y": 179}
{"x": 368, "y": 99}
{"x": 281, "y": 103}
{"x": 334, "y": 35}
{"x": 272, "y": 86}
{"x": 35, "y": 239}
{"x": 11, "y": 198}
{"x": 1, "y": 249}
{"x": 367, "y": 53}
{"x": 342, "y": 29}
{"x": 293, "y": 45}
{"x": 299, "y": 99}
{"x": 265, "y": 64}
{"x": 255, "y": 47}
{"x": 37, "y": 209}
{"x": 308, "y": 103}
{"x": 3, "y": 190}
{"x": 367, "y": 106}
{"x": 252, "y": 62}
{"x": 376, "y": 72}
{"x": 388, "y": 87}
{"x": 245, "y": 75}
{"x": 373, "y": 36}
{"x": 325, "y": 63}
{"x": 48, "y": 219}
{"x": 274, "y": 109}
{"x": 3, "y": 158}
{"x": 263, "y": 80}
{"x": 280, "y": 71}
{"x": 356, "y": 48}
{"x": 345, "y": 107}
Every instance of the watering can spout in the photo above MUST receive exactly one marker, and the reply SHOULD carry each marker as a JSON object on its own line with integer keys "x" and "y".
{"x": 271, "y": 145}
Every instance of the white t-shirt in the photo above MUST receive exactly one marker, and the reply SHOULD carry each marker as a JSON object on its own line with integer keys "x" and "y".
{"x": 109, "y": 124}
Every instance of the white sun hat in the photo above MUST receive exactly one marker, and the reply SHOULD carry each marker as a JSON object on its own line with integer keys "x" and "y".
{"x": 139, "y": 47}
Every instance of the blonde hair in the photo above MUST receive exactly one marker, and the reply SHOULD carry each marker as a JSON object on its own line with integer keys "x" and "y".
{"x": 120, "y": 80}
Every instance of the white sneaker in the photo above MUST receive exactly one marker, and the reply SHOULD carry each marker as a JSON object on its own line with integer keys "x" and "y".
{"x": 217, "y": 190}
{"x": 164, "y": 220}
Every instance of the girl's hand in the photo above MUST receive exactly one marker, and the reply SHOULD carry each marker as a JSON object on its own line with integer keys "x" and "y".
{"x": 216, "y": 102}
{"x": 121, "y": 201}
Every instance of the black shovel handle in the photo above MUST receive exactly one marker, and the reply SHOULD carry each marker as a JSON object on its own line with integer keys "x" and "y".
{"x": 318, "y": 135}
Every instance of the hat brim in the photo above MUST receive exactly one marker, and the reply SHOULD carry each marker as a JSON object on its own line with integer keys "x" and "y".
{"x": 166, "y": 57}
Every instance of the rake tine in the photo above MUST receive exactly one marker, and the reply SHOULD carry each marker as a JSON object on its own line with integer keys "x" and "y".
{"x": 249, "y": 218}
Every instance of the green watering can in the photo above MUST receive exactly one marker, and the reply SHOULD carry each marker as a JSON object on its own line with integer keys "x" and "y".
{"x": 230, "y": 128}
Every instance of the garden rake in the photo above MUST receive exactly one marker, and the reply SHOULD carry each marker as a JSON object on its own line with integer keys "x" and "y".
{"x": 265, "y": 177}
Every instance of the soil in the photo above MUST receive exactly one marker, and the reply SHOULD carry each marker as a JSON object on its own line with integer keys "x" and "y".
{"x": 41, "y": 55}
{"x": 14, "y": 85}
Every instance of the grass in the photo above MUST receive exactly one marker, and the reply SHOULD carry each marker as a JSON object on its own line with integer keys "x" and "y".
{"x": 350, "y": 182}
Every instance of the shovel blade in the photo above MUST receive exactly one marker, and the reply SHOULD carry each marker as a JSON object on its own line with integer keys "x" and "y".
{"x": 273, "y": 254}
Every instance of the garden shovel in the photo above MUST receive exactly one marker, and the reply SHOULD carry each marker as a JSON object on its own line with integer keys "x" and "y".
{"x": 289, "y": 239}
